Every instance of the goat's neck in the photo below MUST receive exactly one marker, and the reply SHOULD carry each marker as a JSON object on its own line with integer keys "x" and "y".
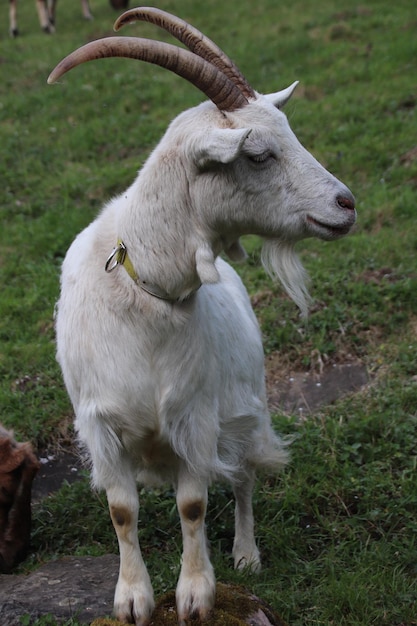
{"x": 166, "y": 245}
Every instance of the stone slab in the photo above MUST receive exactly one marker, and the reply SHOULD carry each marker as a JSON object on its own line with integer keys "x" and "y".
{"x": 73, "y": 587}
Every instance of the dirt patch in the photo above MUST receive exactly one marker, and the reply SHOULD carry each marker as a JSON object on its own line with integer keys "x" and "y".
{"x": 409, "y": 157}
{"x": 377, "y": 276}
{"x": 303, "y": 392}
{"x": 63, "y": 466}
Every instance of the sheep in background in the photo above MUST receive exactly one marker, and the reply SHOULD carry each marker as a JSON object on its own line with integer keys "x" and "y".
{"x": 161, "y": 353}
{"x": 46, "y": 13}
{"x": 18, "y": 468}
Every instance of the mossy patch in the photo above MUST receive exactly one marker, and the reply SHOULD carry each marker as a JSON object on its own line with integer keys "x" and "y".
{"x": 107, "y": 621}
{"x": 235, "y": 606}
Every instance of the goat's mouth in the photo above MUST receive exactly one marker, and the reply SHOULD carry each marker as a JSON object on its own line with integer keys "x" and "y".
{"x": 328, "y": 231}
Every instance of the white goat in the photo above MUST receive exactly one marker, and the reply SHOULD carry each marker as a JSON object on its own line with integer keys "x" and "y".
{"x": 161, "y": 353}
{"x": 46, "y": 13}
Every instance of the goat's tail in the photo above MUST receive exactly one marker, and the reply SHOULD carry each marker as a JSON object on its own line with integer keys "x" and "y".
{"x": 245, "y": 440}
{"x": 271, "y": 453}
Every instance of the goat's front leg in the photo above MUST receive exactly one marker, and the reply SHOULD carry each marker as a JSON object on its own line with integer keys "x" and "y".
{"x": 133, "y": 600}
{"x": 196, "y": 587}
{"x": 245, "y": 551}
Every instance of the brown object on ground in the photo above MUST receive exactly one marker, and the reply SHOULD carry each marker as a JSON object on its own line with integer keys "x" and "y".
{"x": 18, "y": 467}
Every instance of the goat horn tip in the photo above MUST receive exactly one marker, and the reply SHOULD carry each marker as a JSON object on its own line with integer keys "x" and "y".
{"x": 51, "y": 78}
{"x": 57, "y": 73}
{"x": 62, "y": 68}
{"x": 123, "y": 19}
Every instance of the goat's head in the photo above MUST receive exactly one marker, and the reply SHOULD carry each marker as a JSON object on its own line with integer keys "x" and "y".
{"x": 275, "y": 188}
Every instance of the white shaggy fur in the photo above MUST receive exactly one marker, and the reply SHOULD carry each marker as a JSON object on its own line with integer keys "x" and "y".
{"x": 174, "y": 390}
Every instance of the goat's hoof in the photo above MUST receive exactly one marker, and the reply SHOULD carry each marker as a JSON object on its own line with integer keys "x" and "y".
{"x": 14, "y": 32}
{"x": 133, "y": 616}
{"x": 133, "y": 604}
{"x": 195, "y": 596}
{"x": 248, "y": 560}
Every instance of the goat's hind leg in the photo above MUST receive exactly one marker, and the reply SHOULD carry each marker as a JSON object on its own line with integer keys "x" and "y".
{"x": 133, "y": 600}
{"x": 196, "y": 587}
{"x": 85, "y": 6}
{"x": 43, "y": 14}
{"x": 245, "y": 551}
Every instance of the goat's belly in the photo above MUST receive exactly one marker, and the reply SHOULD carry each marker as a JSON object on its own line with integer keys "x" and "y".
{"x": 152, "y": 457}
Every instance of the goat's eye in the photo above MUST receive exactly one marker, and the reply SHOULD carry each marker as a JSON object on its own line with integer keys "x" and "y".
{"x": 261, "y": 157}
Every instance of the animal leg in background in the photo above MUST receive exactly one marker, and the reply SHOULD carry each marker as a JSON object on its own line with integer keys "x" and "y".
{"x": 85, "y": 7}
{"x": 47, "y": 15}
{"x": 43, "y": 14}
{"x": 86, "y": 10}
{"x": 14, "y": 31}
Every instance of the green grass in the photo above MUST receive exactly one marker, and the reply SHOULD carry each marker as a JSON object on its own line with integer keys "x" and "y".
{"x": 338, "y": 529}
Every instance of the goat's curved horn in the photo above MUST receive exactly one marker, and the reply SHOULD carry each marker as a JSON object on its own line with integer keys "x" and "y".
{"x": 203, "y": 75}
{"x": 195, "y": 40}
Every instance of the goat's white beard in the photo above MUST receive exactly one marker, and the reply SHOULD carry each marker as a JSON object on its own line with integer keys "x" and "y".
{"x": 281, "y": 262}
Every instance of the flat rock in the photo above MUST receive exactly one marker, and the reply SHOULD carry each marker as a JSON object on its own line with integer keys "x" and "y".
{"x": 81, "y": 588}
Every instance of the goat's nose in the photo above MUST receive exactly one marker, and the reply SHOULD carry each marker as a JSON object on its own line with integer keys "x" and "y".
{"x": 346, "y": 201}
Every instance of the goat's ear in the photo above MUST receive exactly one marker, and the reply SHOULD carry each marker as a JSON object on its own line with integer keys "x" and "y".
{"x": 280, "y": 98}
{"x": 219, "y": 146}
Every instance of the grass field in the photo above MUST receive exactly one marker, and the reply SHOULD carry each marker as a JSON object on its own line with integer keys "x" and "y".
{"x": 338, "y": 529}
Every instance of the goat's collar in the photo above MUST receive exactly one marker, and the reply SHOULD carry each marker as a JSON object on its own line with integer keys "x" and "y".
{"x": 119, "y": 256}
